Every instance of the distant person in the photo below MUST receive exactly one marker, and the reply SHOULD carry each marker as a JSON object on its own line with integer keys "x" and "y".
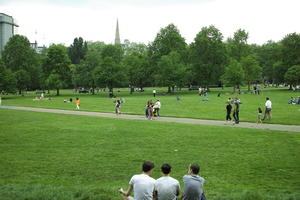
{"x": 141, "y": 184}
{"x": 178, "y": 98}
{"x": 166, "y": 187}
{"x": 292, "y": 101}
{"x": 268, "y": 109}
{"x": 228, "y": 112}
{"x": 118, "y": 107}
{"x": 154, "y": 93}
{"x": 71, "y": 100}
{"x": 236, "y": 111}
{"x": 156, "y": 107}
{"x": 258, "y": 90}
{"x": 77, "y": 102}
{"x": 255, "y": 89}
{"x": 298, "y": 100}
{"x": 259, "y": 116}
{"x": 200, "y": 91}
{"x": 193, "y": 184}
{"x": 219, "y": 94}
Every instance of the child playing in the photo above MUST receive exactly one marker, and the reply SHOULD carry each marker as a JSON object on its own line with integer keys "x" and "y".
{"x": 77, "y": 102}
{"x": 259, "y": 116}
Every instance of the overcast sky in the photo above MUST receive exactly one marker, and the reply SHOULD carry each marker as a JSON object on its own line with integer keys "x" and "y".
{"x": 60, "y": 21}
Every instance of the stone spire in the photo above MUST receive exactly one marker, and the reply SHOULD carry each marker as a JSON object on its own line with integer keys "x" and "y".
{"x": 117, "y": 38}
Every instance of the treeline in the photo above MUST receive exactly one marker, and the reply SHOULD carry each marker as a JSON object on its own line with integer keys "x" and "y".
{"x": 167, "y": 61}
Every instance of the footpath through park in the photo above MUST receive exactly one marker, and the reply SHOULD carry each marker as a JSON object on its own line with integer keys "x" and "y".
{"x": 278, "y": 127}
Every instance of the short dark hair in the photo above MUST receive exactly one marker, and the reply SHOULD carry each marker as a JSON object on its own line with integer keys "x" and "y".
{"x": 147, "y": 166}
{"x": 195, "y": 168}
{"x": 166, "y": 168}
{"x": 267, "y": 98}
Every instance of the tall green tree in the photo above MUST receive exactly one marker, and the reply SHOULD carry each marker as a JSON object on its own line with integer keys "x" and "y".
{"x": 22, "y": 59}
{"x": 252, "y": 69}
{"x": 111, "y": 72}
{"x": 83, "y": 73}
{"x": 268, "y": 54}
{"x": 168, "y": 39}
{"x": 292, "y": 76}
{"x": 291, "y": 50}
{"x": 234, "y": 74}
{"x": 208, "y": 56}
{"x": 279, "y": 69}
{"x": 77, "y": 50}
{"x": 137, "y": 67}
{"x": 171, "y": 71}
{"x": 7, "y": 79}
{"x": 237, "y": 45}
{"x": 57, "y": 68}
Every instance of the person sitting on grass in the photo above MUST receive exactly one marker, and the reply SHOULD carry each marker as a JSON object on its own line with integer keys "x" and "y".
{"x": 141, "y": 184}
{"x": 166, "y": 187}
{"x": 193, "y": 184}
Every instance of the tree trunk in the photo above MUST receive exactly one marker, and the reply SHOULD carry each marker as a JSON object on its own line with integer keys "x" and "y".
{"x": 169, "y": 89}
{"x": 48, "y": 91}
{"x": 291, "y": 87}
{"x": 93, "y": 91}
{"x": 20, "y": 91}
{"x": 57, "y": 92}
{"x": 173, "y": 89}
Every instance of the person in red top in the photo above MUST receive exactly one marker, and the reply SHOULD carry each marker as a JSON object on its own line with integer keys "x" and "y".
{"x": 77, "y": 102}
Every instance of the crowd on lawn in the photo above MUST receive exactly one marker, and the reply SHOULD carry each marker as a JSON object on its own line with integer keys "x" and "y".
{"x": 147, "y": 188}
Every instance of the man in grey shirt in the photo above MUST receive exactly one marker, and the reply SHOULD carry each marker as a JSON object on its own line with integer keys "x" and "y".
{"x": 193, "y": 184}
{"x": 166, "y": 187}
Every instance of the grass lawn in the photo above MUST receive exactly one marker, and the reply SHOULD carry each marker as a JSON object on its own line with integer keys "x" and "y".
{"x": 190, "y": 105}
{"x": 52, "y": 156}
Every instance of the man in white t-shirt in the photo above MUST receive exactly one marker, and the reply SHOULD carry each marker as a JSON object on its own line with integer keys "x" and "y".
{"x": 268, "y": 109}
{"x": 154, "y": 92}
{"x": 141, "y": 184}
{"x": 166, "y": 187}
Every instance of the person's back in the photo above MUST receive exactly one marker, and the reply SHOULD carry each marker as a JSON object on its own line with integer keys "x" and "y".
{"x": 166, "y": 187}
{"x": 143, "y": 186}
{"x": 193, "y": 184}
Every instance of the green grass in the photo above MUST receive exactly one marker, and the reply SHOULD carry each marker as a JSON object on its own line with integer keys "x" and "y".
{"x": 52, "y": 156}
{"x": 191, "y": 105}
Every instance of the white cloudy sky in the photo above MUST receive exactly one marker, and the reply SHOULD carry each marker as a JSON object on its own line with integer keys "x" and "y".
{"x": 60, "y": 21}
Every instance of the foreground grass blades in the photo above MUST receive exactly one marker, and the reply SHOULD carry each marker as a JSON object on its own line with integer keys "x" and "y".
{"x": 51, "y": 156}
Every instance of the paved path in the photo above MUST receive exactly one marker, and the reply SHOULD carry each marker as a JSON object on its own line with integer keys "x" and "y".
{"x": 279, "y": 127}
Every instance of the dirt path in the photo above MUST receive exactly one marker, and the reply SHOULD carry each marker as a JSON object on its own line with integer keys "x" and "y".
{"x": 279, "y": 127}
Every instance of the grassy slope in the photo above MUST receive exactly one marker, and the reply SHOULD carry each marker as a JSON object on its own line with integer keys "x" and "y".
{"x": 190, "y": 106}
{"x": 50, "y": 156}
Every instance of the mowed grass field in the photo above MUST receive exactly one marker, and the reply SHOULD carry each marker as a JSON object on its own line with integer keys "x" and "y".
{"x": 52, "y": 156}
{"x": 190, "y": 105}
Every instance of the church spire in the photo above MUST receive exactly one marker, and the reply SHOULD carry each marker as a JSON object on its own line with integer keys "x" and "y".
{"x": 117, "y": 38}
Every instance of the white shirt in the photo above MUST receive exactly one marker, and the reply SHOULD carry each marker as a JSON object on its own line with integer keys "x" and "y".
{"x": 154, "y": 91}
{"x": 268, "y": 104}
{"x": 143, "y": 186}
{"x": 158, "y": 104}
{"x": 167, "y": 188}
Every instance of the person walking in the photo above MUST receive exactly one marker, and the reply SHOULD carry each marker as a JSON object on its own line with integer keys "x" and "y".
{"x": 77, "y": 102}
{"x": 156, "y": 107}
{"x": 118, "y": 107}
{"x": 236, "y": 111}
{"x": 193, "y": 184}
{"x": 259, "y": 116}
{"x": 141, "y": 184}
{"x": 166, "y": 187}
{"x": 154, "y": 92}
{"x": 268, "y": 109}
{"x": 228, "y": 112}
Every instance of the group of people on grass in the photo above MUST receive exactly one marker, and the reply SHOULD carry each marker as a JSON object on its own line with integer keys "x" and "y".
{"x": 294, "y": 102}
{"x": 152, "y": 109}
{"x": 236, "y": 102}
{"x": 147, "y": 188}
